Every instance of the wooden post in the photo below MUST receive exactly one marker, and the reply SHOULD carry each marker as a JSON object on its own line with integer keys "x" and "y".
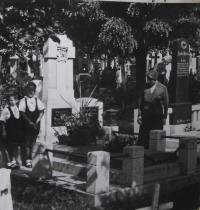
{"x": 156, "y": 141}
{"x": 133, "y": 166}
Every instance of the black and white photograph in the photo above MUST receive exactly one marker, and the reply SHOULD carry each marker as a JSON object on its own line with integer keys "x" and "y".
{"x": 99, "y": 105}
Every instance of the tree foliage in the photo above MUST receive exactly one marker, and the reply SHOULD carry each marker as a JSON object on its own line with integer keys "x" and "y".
{"x": 115, "y": 29}
{"x": 159, "y": 23}
{"x": 82, "y": 23}
{"x": 117, "y": 38}
{"x": 115, "y": 26}
{"x": 25, "y": 25}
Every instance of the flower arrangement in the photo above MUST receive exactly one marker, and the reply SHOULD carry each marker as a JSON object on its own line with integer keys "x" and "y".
{"x": 77, "y": 120}
{"x": 119, "y": 141}
{"x": 81, "y": 127}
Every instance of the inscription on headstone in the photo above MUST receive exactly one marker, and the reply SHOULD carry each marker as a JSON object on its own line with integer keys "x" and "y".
{"x": 59, "y": 116}
{"x": 92, "y": 111}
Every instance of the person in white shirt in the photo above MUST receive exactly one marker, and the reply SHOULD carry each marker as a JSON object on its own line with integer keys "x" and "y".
{"x": 32, "y": 110}
{"x": 11, "y": 130}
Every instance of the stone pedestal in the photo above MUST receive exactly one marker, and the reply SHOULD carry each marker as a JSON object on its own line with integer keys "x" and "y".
{"x": 133, "y": 166}
{"x": 98, "y": 172}
{"x": 58, "y": 92}
{"x": 5, "y": 190}
{"x": 157, "y": 142}
{"x": 188, "y": 155}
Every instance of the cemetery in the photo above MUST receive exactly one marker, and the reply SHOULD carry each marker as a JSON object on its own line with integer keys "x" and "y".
{"x": 90, "y": 66}
{"x": 82, "y": 163}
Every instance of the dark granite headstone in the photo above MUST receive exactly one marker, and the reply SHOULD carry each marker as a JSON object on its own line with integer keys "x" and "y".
{"x": 59, "y": 116}
{"x": 179, "y": 83}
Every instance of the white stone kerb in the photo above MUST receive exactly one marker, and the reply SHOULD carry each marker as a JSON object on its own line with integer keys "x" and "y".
{"x": 98, "y": 158}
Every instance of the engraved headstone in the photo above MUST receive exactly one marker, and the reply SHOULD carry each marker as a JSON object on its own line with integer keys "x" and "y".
{"x": 179, "y": 83}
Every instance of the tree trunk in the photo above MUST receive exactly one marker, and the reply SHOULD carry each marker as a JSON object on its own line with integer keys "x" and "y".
{"x": 140, "y": 67}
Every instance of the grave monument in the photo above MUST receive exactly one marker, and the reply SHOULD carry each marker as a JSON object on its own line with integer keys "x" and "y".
{"x": 198, "y": 67}
{"x": 179, "y": 87}
{"x": 58, "y": 91}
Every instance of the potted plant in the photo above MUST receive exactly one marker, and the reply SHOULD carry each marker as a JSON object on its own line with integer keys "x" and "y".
{"x": 79, "y": 130}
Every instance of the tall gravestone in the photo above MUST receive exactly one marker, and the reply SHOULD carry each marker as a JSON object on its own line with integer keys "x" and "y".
{"x": 179, "y": 83}
{"x": 58, "y": 91}
{"x": 198, "y": 67}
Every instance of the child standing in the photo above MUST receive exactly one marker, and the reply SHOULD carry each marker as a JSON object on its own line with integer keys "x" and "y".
{"x": 32, "y": 110}
{"x": 11, "y": 130}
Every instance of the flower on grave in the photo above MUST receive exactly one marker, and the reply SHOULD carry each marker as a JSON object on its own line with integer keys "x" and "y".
{"x": 189, "y": 128}
{"x": 78, "y": 120}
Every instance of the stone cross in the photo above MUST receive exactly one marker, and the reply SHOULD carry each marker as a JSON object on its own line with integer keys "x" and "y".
{"x": 152, "y": 59}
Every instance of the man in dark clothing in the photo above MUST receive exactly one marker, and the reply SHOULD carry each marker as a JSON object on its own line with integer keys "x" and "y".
{"x": 153, "y": 107}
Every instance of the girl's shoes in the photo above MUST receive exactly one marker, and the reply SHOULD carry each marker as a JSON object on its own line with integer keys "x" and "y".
{"x": 28, "y": 164}
{"x": 12, "y": 165}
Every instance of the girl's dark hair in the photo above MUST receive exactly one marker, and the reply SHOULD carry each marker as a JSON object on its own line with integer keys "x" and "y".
{"x": 8, "y": 96}
{"x": 31, "y": 86}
